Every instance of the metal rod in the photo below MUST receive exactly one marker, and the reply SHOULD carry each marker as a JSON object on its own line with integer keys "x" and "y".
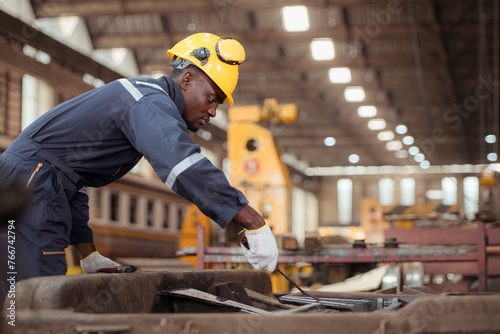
{"x": 295, "y": 285}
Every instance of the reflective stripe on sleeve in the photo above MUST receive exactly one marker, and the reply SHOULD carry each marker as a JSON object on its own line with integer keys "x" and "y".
{"x": 131, "y": 89}
{"x": 181, "y": 167}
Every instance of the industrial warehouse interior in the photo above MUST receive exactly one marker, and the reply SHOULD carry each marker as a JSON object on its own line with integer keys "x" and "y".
{"x": 364, "y": 133}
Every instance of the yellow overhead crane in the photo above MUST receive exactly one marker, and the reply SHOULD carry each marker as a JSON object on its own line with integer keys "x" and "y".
{"x": 256, "y": 166}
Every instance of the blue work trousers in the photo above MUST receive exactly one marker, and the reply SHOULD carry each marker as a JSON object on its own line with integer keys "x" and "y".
{"x": 41, "y": 234}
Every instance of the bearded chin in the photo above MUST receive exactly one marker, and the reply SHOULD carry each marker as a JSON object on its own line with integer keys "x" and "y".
{"x": 191, "y": 126}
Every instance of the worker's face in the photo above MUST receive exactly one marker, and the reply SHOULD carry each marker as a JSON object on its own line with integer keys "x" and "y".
{"x": 201, "y": 99}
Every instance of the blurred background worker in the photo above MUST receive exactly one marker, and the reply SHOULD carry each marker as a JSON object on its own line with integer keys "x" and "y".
{"x": 99, "y": 136}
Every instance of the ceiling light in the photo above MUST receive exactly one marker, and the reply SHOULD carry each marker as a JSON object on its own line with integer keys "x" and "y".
{"x": 401, "y": 129}
{"x": 490, "y": 139}
{"x": 408, "y": 140}
{"x": 340, "y": 75}
{"x": 394, "y": 145}
{"x": 376, "y": 124}
{"x": 353, "y": 158}
{"x": 401, "y": 154}
{"x": 367, "y": 111}
{"x": 419, "y": 157}
{"x": 492, "y": 157}
{"x": 425, "y": 164}
{"x": 329, "y": 141}
{"x": 385, "y": 135}
{"x": 354, "y": 94}
{"x": 295, "y": 18}
{"x": 322, "y": 49}
{"x": 413, "y": 150}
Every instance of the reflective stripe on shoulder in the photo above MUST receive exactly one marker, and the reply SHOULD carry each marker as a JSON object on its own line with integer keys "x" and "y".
{"x": 131, "y": 89}
{"x": 151, "y": 85}
{"x": 181, "y": 167}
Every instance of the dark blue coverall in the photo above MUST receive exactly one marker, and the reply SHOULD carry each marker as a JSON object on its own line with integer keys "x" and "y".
{"x": 93, "y": 140}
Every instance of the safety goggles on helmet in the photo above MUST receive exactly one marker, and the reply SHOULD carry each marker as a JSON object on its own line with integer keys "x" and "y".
{"x": 227, "y": 49}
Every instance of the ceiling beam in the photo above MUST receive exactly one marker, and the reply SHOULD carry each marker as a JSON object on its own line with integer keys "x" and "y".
{"x": 19, "y": 34}
{"x": 339, "y": 34}
{"x": 121, "y": 7}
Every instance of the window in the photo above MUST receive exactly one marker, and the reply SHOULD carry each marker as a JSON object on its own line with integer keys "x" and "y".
{"x": 133, "y": 210}
{"x": 38, "y": 97}
{"x": 165, "y": 216}
{"x": 471, "y": 196}
{"x": 407, "y": 191}
{"x": 114, "y": 207}
{"x": 386, "y": 191}
{"x": 151, "y": 216}
{"x": 180, "y": 218}
{"x": 449, "y": 187}
{"x": 344, "y": 194}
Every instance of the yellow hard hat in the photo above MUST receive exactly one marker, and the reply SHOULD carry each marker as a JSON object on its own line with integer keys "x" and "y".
{"x": 218, "y": 57}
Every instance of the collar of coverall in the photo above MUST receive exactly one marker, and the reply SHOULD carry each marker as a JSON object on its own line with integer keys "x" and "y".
{"x": 173, "y": 91}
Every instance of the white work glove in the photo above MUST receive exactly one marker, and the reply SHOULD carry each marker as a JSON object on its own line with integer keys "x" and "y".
{"x": 96, "y": 261}
{"x": 262, "y": 251}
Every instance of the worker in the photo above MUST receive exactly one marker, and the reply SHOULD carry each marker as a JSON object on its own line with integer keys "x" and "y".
{"x": 97, "y": 137}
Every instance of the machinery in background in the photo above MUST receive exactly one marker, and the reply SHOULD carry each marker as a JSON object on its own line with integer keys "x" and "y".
{"x": 188, "y": 237}
{"x": 256, "y": 166}
{"x": 489, "y": 194}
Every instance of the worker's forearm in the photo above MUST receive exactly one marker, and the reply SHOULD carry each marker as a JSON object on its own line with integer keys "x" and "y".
{"x": 249, "y": 218}
{"x": 84, "y": 250}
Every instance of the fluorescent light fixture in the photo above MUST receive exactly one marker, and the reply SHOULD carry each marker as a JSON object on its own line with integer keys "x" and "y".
{"x": 339, "y": 75}
{"x": 376, "y": 124}
{"x": 490, "y": 139}
{"x": 413, "y": 150}
{"x": 353, "y": 158}
{"x": 329, "y": 141}
{"x": 408, "y": 140}
{"x": 367, "y": 111}
{"x": 401, "y": 129}
{"x": 492, "y": 157}
{"x": 419, "y": 157}
{"x": 425, "y": 164}
{"x": 295, "y": 18}
{"x": 354, "y": 94}
{"x": 401, "y": 154}
{"x": 385, "y": 135}
{"x": 394, "y": 145}
{"x": 322, "y": 49}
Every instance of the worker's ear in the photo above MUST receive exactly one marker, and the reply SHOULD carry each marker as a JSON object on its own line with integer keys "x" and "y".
{"x": 186, "y": 79}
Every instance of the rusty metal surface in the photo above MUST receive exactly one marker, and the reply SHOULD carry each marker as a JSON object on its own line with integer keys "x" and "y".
{"x": 448, "y": 314}
{"x": 130, "y": 303}
{"x": 125, "y": 293}
{"x": 207, "y": 298}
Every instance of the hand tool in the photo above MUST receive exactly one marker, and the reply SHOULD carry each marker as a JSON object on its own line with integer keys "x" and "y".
{"x": 244, "y": 242}
{"x": 120, "y": 269}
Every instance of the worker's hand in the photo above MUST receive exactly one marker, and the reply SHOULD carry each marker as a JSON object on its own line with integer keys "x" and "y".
{"x": 260, "y": 248}
{"x": 95, "y": 261}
